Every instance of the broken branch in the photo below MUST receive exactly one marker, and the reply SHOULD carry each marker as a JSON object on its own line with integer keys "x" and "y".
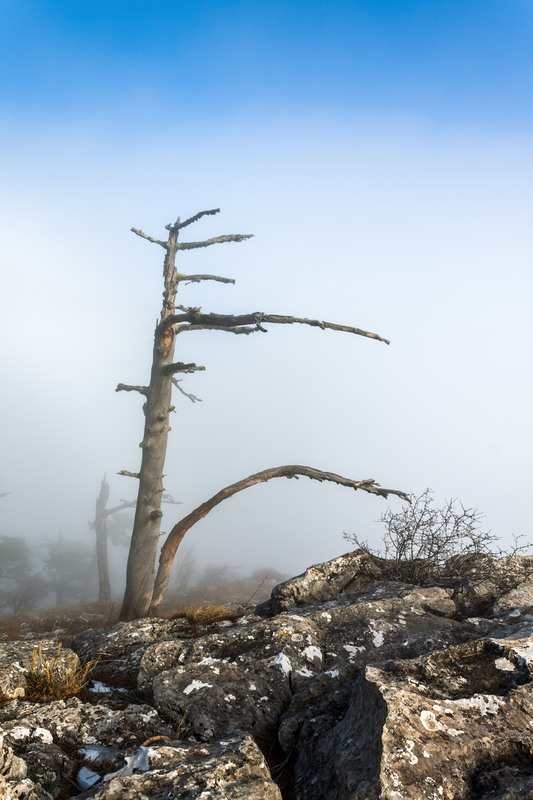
{"x": 129, "y": 474}
{"x": 192, "y": 397}
{"x": 179, "y": 366}
{"x": 197, "y": 217}
{"x": 149, "y": 238}
{"x": 124, "y": 387}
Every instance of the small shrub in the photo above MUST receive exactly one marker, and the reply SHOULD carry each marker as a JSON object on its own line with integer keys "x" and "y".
{"x": 427, "y": 545}
{"x": 49, "y": 680}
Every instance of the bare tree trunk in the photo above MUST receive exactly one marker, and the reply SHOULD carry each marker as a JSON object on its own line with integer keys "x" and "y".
{"x": 175, "y": 537}
{"x": 104, "y": 585}
{"x": 140, "y": 574}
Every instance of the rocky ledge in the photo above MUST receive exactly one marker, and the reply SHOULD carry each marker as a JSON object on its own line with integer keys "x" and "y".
{"x": 343, "y": 686}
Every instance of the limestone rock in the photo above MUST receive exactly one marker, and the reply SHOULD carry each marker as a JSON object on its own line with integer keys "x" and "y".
{"x": 232, "y": 769}
{"x": 242, "y": 677}
{"x": 440, "y": 726}
{"x": 321, "y": 582}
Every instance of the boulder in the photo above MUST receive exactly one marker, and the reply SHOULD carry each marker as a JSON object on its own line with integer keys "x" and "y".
{"x": 321, "y": 582}
{"x": 232, "y": 769}
{"x": 441, "y": 726}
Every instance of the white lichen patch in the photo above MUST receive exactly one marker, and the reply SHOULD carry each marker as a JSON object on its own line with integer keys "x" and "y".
{"x": 284, "y": 662}
{"x": 229, "y": 697}
{"x": 312, "y": 652}
{"x": 19, "y": 733}
{"x": 485, "y": 703}
{"x": 409, "y": 748}
{"x": 352, "y": 649}
{"x": 195, "y": 685}
{"x": 504, "y": 664}
{"x": 43, "y": 735}
{"x": 524, "y": 653}
{"x": 304, "y": 672}
{"x": 430, "y": 721}
{"x": 377, "y": 636}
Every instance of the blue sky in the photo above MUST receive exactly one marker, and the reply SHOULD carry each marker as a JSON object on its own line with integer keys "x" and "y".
{"x": 446, "y": 60}
{"x": 381, "y": 153}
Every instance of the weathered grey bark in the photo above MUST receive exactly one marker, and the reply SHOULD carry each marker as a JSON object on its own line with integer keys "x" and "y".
{"x": 140, "y": 573}
{"x": 174, "y": 538}
{"x": 140, "y": 579}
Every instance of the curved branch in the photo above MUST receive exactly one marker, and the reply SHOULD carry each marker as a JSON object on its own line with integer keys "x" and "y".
{"x": 174, "y": 538}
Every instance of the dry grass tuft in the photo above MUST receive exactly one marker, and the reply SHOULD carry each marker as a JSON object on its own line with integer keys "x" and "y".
{"x": 206, "y": 613}
{"x": 49, "y": 680}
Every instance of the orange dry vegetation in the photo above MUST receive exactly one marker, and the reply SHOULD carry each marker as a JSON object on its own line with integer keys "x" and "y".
{"x": 206, "y": 613}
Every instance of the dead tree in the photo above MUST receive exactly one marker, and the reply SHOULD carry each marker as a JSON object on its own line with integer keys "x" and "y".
{"x": 142, "y": 595}
{"x": 99, "y": 525}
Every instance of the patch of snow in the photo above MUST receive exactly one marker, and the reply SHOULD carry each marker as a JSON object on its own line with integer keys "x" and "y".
{"x": 139, "y": 762}
{"x": 514, "y": 613}
{"x": 229, "y": 697}
{"x": 195, "y": 685}
{"x": 99, "y": 687}
{"x": 332, "y": 672}
{"x": 87, "y": 778}
{"x": 91, "y": 754}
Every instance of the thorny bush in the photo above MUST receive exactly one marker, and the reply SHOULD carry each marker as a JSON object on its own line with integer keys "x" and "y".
{"x": 426, "y": 545}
